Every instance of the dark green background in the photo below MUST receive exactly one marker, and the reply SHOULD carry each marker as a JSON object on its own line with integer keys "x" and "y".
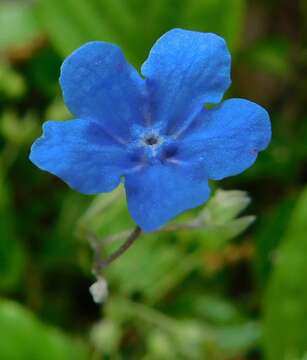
{"x": 234, "y": 289}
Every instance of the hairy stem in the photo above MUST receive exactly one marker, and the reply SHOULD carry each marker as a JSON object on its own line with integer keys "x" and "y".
{"x": 101, "y": 264}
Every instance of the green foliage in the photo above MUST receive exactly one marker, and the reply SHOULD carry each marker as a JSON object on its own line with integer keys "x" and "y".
{"x": 18, "y": 131}
{"x": 12, "y": 84}
{"x": 179, "y": 294}
{"x": 271, "y": 56}
{"x": 183, "y": 338}
{"x": 106, "y": 336}
{"x": 268, "y": 237}
{"x": 285, "y": 306}
{"x": 24, "y": 337}
{"x": 155, "y": 255}
{"x": 115, "y": 21}
{"x": 224, "y": 17}
{"x": 17, "y": 23}
{"x": 156, "y": 267}
{"x": 12, "y": 253}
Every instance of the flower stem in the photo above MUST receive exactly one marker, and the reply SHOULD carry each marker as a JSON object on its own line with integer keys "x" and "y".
{"x": 102, "y": 264}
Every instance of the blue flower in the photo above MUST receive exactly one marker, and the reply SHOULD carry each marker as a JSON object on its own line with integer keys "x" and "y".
{"x": 153, "y": 132}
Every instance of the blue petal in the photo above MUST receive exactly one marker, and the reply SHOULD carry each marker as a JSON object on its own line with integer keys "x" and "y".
{"x": 99, "y": 84}
{"x": 79, "y": 152}
{"x": 158, "y": 193}
{"x": 184, "y": 70}
{"x": 227, "y": 139}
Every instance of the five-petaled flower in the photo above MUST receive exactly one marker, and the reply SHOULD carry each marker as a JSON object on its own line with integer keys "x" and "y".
{"x": 154, "y": 132}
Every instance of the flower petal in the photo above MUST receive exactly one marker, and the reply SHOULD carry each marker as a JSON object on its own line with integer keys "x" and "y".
{"x": 184, "y": 70}
{"x": 227, "y": 139}
{"x": 79, "y": 152}
{"x": 99, "y": 84}
{"x": 158, "y": 193}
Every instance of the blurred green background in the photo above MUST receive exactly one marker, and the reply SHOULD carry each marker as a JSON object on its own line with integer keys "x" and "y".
{"x": 234, "y": 289}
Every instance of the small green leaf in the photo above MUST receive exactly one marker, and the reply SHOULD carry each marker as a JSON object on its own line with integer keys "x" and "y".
{"x": 217, "y": 221}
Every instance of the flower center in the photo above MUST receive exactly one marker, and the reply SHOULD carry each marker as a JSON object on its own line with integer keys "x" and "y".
{"x": 151, "y": 140}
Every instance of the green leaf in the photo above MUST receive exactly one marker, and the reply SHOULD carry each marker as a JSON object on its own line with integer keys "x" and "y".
{"x": 23, "y": 337}
{"x": 189, "y": 338}
{"x": 155, "y": 256}
{"x": 71, "y": 23}
{"x": 107, "y": 215}
{"x": 285, "y": 305}
{"x": 17, "y": 23}
{"x": 152, "y": 258}
{"x": 272, "y": 227}
{"x": 236, "y": 339}
{"x": 210, "y": 308}
{"x": 232, "y": 329}
{"x": 218, "y": 219}
{"x": 120, "y": 22}
{"x": 224, "y": 17}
